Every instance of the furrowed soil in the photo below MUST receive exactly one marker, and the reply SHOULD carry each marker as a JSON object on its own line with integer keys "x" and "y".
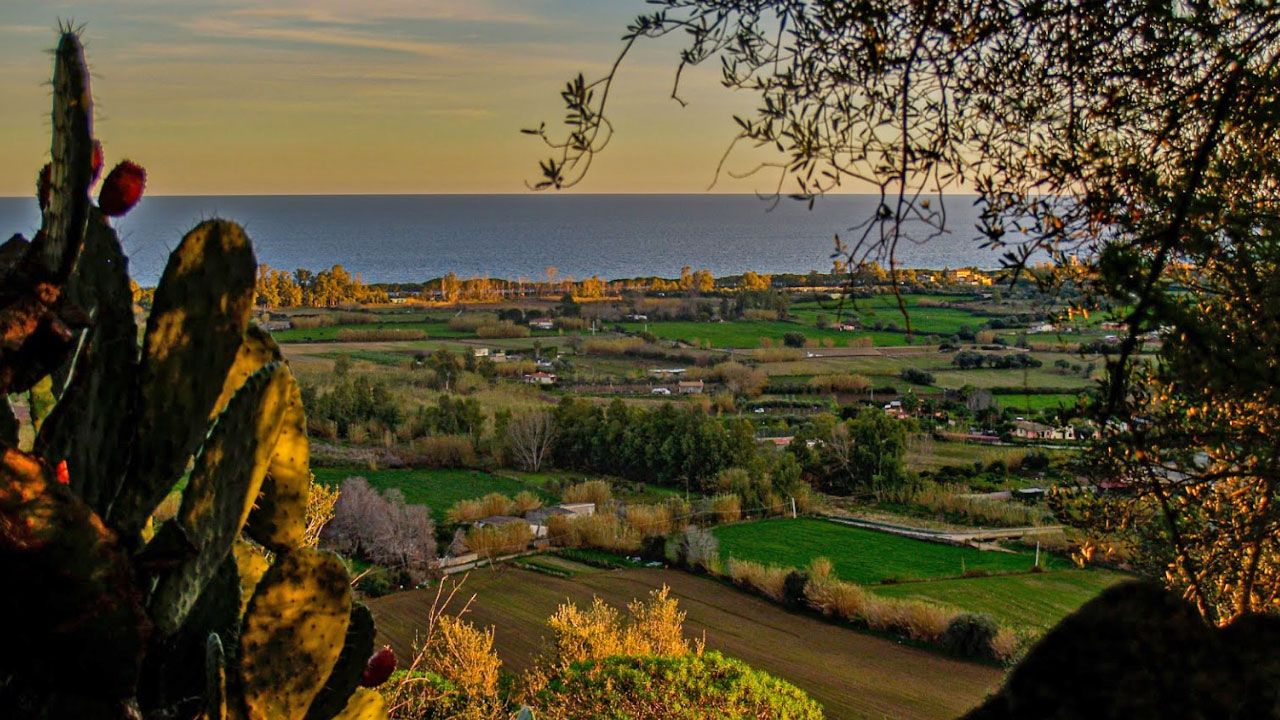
{"x": 853, "y": 674}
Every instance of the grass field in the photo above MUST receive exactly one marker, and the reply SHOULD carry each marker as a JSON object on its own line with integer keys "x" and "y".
{"x": 853, "y": 675}
{"x": 747, "y": 333}
{"x": 437, "y": 489}
{"x": 863, "y": 556}
{"x": 1032, "y": 403}
{"x": 1035, "y": 602}
{"x": 934, "y": 454}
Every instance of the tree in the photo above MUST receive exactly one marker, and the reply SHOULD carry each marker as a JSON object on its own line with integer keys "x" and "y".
{"x": 450, "y": 288}
{"x": 754, "y": 282}
{"x": 1134, "y": 144}
{"x": 382, "y": 529}
{"x": 446, "y": 366}
{"x": 530, "y": 438}
{"x": 865, "y": 454}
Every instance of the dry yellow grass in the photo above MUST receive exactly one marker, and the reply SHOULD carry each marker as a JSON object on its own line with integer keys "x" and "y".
{"x": 768, "y": 580}
{"x": 592, "y": 491}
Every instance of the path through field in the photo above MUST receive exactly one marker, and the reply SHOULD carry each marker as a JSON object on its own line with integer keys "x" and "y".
{"x": 853, "y": 675}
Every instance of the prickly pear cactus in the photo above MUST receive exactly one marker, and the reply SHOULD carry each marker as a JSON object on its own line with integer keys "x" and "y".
{"x": 221, "y": 612}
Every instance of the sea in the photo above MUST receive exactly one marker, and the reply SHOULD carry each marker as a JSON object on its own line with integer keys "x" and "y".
{"x": 413, "y": 238}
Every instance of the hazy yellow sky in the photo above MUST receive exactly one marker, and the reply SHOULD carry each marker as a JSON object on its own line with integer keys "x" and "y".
{"x": 357, "y": 96}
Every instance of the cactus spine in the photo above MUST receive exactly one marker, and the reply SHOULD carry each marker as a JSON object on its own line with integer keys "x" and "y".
{"x": 111, "y": 619}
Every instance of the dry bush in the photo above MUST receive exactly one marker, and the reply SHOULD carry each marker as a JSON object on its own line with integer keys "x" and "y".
{"x": 454, "y": 669}
{"x": 740, "y": 379}
{"x": 443, "y": 451}
{"x": 839, "y": 383}
{"x": 954, "y": 500}
{"x": 612, "y": 346}
{"x": 649, "y": 520}
{"x": 698, "y": 549}
{"x": 775, "y": 505}
{"x": 496, "y": 504}
{"x": 494, "y": 540}
{"x": 776, "y": 354}
{"x": 311, "y": 322}
{"x": 524, "y": 501}
{"x": 465, "y": 511}
{"x": 515, "y": 369}
{"x": 592, "y": 491}
{"x": 725, "y": 508}
{"x": 917, "y": 620}
{"x": 572, "y": 323}
{"x": 760, "y": 314}
{"x": 381, "y": 528}
{"x": 860, "y": 342}
{"x": 321, "y": 500}
{"x": 1007, "y": 645}
{"x": 470, "y": 322}
{"x": 768, "y": 580}
{"x": 606, "y": 532}
{"x": 651, "y": 627}
{"x": 379, "y": 334}
{"x": 504, "y": 329}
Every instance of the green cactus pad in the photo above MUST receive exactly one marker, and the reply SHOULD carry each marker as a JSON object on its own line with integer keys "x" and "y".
{"x": 55, "y": 249}
{"x": 215, "y": 689}
{"x": 345, "y": 677}
{"x": 198, "y": 318}
{"x": 91, "y": 427}
{"x": 293, "y": 633}
{"x": 365, "y": 704}
{"x": 279, "y": 521}
{"x": 257, "y": 350}
{"x": 252, "y": 565}
{"x": 227, "y": 476}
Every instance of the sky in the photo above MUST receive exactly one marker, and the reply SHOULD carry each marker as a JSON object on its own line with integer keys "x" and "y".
{"x": 359, "y": 96}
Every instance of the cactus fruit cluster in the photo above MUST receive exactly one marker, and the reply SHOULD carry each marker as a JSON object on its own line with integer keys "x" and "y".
{"x": 222, "y": 611}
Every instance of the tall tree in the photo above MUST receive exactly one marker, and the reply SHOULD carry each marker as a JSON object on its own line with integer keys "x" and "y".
{"x": 1132, "y": 142}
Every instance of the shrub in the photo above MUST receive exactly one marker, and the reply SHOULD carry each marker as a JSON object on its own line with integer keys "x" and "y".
{"x": 839, "y": 383}
{"x": 700, "y": 550}
{"x": 592, "y": 491}
{"x": 603, "y": 531}
{"x": 443, "y": 451}
{"x": 970, "y": 635}
{"x": 793, "y": 339}
{"x": 793, "y": 588}
{"x": 1008, "y": 646}
{"x": 379, "y": 334}
{"x": 524, "y": 501}
{"x": 954, "y": 502}
{"x": 453, "y": 674}
{"x": 470, "y": 322}
{"x": 684, "y": 687}
{"x": 649, "y": 520}
{"x": 311, "y": 322}
{"x": 502, "y": 329}
{"x": 768, "y": 580}
{"x": 725, "y": 508}
{"x": 614, "y": 346}
{"x": 917, "y": 377}
{"x": 494, "y": 540}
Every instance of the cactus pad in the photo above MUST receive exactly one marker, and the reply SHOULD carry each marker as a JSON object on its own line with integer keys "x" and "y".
{"x": 293, "y": 633}
{"x": 198, "y": 318}
{"x": 280, "y": 519}
{"x": 227, "y": 476}
{"x": 365, "y": 704}
{"x": 345, "y": 677}
{"x": 89, "y": 426}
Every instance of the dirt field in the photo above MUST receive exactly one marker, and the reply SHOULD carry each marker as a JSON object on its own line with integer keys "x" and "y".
{"x": 852, "y": 674}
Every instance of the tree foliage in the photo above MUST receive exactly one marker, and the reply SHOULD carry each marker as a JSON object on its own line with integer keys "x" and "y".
{"x": 1132, "y": 143}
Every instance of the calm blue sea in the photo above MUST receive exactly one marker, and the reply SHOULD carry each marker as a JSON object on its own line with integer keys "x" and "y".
{"x": 411, "y": 238}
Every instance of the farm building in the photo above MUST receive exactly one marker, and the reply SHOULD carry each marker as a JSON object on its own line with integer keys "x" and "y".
{"x": 540, "y": 378}
{"x": 691, "y": 387}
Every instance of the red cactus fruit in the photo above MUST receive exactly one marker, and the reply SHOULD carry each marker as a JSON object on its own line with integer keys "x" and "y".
{"x": 97, "y": 161}
{"x": 380, "y": 666}
{"x": 44, "y": 185}
{"x": 122, "y": 189}
{"x": 64, "y": 476}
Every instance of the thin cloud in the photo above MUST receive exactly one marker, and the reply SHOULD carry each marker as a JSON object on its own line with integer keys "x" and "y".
{"x": 224, "y": 28}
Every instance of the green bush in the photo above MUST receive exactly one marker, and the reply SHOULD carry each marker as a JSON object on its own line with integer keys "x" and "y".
{"x": 970, "y": 635}
{"x": 685, "y": 687}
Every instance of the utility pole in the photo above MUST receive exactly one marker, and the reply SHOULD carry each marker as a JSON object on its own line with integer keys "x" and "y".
{"x": 793, "y": 517}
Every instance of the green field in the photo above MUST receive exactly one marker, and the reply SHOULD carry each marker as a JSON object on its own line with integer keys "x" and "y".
{"x": 437, "y": 489}
{"x": 1035, "y": 601}
{"x": 747, "y": 333}
{"x": 862, "y": 556}
{"x": 852, "y": 674}
{"x": 1032, "y": 403}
